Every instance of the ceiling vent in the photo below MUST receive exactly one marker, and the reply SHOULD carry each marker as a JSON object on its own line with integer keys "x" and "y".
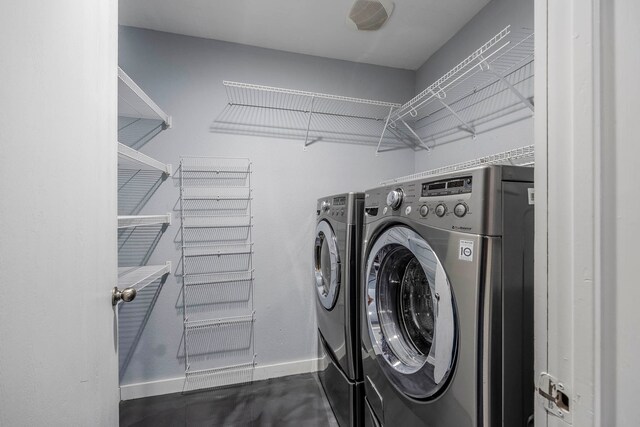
{"x": 369, "y": 15}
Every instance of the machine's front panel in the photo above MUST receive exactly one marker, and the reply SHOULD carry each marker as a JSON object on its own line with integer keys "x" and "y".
{"x": 469, "y": 201}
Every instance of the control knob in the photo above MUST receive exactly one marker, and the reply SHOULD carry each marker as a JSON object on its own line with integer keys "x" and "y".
{"x": 324, "y": 206}
{"x": 441, "y": 209}
{"x": 424, "y": 210}
{"x": 460, "y": 210}
{"x": 394, "y": 198}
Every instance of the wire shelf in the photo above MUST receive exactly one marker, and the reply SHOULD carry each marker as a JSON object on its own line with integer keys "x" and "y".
{"x": 294, "y": 114}
{"x": 200, "y": 324}
{"x": 216, "y": 278}
{"x": 134, "y": 102}
{"x": 217, "y": 250}
{"x": 523, "y": 156}
{"x": 220, "y": 194}
{"x": 200, "y": 379}
{"x": 504, "y": 61}
{"x": 128, "y": 158}
{"x": 217, "y": 269}
{"x": 139, "y": 277}
{"x": 212, "y": 371}
{"x": 217, "y": 221}
{"x": 129, "y": 221}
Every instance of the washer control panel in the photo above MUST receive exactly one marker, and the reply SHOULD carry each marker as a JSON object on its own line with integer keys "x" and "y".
{"x": 469, "y": 201}
{"x": 444, "y": 203}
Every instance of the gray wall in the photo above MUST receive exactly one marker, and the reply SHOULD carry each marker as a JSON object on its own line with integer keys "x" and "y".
{"x": 513, "y": 131}
{"x": 184, "y": 76}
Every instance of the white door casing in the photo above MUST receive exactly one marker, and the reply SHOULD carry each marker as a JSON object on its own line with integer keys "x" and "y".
{"x": 586, "y": 109}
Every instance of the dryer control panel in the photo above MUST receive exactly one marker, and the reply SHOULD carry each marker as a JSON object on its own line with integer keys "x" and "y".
{"x": 467, "y": 201}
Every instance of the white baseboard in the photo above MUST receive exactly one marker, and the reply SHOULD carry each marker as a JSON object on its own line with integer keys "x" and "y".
{"x": 176, "y": 385}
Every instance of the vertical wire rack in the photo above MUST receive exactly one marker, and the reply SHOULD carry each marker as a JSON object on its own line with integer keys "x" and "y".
{"x": 218, "y": 274}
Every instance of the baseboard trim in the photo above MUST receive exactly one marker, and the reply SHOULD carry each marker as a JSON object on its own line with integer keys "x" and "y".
{"x": 175, "y": 385}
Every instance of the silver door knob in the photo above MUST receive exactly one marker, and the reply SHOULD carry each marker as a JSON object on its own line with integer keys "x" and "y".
{"x": 125, "y": 295}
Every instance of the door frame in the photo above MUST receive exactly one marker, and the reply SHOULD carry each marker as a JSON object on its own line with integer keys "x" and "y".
{"x": 570, "y": 172}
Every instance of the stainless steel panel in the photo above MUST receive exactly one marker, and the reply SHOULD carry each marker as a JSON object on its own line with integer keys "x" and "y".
{"x": 492, "y": 382}
{"x": 484, "y": 210}
{"x": 339, "y": 327}
{"x": 345, "y": 396}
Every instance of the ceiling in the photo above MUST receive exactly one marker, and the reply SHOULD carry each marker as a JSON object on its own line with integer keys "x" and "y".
{"x": 416, "y": 29}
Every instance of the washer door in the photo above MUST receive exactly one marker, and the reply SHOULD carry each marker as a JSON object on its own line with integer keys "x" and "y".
{"x": 411, "y": 313}
{"x": 326, "y": 262}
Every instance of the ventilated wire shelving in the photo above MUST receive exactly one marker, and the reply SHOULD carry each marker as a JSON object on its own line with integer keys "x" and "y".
{"x": 139, "y": 277}
{"x": 130, "y": 221}
{"x": 492, "y": 82}
{"x": 218, "y": 273}
{"x": 312, "y": 116}
{"x": 139, "y": 175}
{"x": 523, "y": 156}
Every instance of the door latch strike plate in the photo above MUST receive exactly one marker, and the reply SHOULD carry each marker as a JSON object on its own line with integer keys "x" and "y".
{"x": 553, "y": 396}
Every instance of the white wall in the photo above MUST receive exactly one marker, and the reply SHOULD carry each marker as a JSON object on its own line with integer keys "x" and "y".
{"x": 58, "y": 362}
{"x": 514, "y": 130}
{"x": 184, "y": 76}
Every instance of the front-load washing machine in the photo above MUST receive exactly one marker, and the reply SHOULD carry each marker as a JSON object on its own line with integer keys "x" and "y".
{"x": 336, "y": 258}
{"x": 447, "y": 307}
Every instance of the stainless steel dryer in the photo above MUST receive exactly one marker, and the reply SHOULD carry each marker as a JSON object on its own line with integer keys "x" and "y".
{"x": 336, "y": 257}
{"x": 447, "y": 328}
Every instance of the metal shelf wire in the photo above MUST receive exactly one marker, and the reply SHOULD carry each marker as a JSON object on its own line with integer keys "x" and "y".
{"x": 240, "y": 221}
{"x": 295, "y": 114}
{"x": 217, "y": 250}
{"x": 128, "y": 158}
{"x": 491, "y": 82}
{"x": 523, "y": 156}
{"x": 212, "y": 323}
{"x": 140, "y": 277}
{"x": 134, "y": 102}
{"x": 217, "y": 270}
{"x": 216, "y": 278}
{"x": 221, "y": 194}
{"x": 129, "y": 221}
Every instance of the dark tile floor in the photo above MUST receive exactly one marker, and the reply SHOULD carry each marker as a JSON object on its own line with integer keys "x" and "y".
{"x": 297, "y": 401}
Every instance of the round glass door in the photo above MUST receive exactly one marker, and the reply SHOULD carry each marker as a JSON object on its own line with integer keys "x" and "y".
{"x": 326, "y": 262}
{"x": 411, "y": 313}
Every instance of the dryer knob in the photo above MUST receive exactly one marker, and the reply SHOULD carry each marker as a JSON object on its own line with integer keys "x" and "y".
{"x": 441, "y": 210}
{"x": 394, "y": 198}
{"x": 324, "y": 206}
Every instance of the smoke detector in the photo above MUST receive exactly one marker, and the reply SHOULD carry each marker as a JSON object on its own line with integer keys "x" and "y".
{"x": 369, "y": 15}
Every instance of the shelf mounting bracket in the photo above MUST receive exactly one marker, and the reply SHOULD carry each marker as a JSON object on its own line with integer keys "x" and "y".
{"x": 422, "y": 143}
{"x": 440, "y": 95}
{"x": 306, "y": 138}
{"x": 484, "y": 66}
{"x": 386, "y": 123}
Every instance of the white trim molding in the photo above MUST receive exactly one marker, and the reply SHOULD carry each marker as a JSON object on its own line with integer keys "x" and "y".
{"x": 176, "y": 385}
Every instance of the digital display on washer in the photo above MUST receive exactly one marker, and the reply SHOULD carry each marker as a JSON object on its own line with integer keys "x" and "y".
{"x": 447, "y": 187}
{"x": 339, "y": 201}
